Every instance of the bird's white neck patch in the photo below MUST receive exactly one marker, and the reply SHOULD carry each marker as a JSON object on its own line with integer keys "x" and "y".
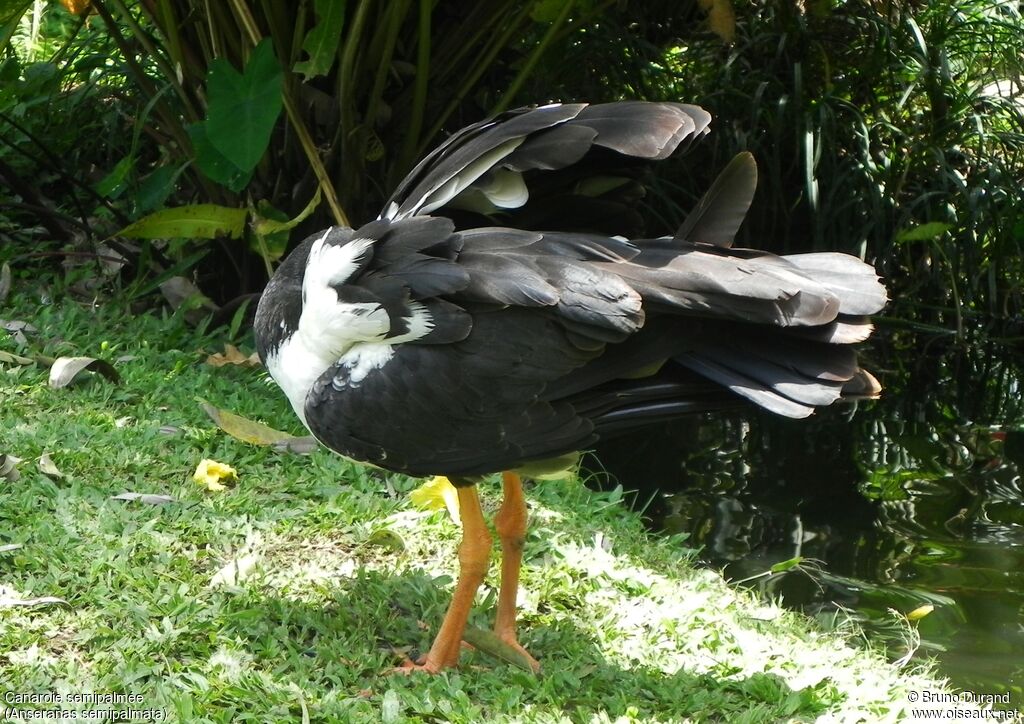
{"x": 295, "y": 366}
{"x": 331, "y": 332}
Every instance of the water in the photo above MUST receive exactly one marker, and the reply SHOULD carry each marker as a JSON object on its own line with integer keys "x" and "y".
{"x": 909, "y": 501}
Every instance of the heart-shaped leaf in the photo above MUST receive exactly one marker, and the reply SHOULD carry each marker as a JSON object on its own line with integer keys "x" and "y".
{"x": 213, "y": 163}
{"x": 244, "y": 106}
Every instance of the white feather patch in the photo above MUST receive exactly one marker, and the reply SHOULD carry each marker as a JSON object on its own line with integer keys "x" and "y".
{"x": 361, "y": 360}
{"x": 295, "y": 368}
{"x": 419, "y": 322}
{"x": 331, "y": 264}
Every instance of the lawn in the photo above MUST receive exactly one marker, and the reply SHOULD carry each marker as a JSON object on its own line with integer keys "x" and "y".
{"x": 290, "y": 595}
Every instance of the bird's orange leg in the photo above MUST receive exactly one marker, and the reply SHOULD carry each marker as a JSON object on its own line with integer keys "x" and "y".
{"x": 510, "y": 523}
{"x": 474, "y": 558}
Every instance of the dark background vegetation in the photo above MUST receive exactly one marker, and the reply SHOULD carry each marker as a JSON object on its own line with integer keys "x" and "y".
{"x": 892, "y": 130}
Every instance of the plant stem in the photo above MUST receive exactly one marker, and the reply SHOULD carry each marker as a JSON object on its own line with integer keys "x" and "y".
{"x": 419, "y": 98}
{"x": 534, "y": 58}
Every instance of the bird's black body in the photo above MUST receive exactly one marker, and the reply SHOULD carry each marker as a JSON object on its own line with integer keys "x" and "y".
{"x": 425, "y": 349}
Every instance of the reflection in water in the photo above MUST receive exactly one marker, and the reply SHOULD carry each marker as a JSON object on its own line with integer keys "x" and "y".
{"x": 915, "y": 499}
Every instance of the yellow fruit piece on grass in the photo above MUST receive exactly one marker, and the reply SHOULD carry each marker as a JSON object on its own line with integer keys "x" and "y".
{"x": 437, "y": 493}
{"x": 215, "y": 476}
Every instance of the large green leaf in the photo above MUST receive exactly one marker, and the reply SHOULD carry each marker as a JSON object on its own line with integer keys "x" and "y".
{"x": 214, "y": 164}
{"x": 198, "y": 221}
{"x": 244, "y": 106}
{"x": 321, "y": 43}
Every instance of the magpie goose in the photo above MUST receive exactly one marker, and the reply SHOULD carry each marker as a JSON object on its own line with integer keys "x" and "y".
{"x": 495, "y": 318}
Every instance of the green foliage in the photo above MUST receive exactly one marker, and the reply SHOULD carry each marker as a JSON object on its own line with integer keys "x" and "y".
{"x": 321, "y": 43}
{"x": 870, "y": 121}
{"x": 199, "y": 221}
{"x": 243, "y": 108}
{"x": 194, "y": 91}
{"x": 873, "y": 126}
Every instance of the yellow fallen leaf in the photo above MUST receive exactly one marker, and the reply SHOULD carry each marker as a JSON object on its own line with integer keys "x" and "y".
{"x": 242, "y": 428}
{"x": 437, "y": 493}
{"x": 215, "y": 476}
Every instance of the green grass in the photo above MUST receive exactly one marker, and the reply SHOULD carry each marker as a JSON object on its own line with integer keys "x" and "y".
{"x": 343, "y": 574}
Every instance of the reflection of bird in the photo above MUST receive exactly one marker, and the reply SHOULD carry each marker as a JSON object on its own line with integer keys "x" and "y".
{"x": 427, "y": 348}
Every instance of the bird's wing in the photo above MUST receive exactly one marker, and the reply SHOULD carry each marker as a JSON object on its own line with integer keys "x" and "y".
{"x": 465, "y": 408}
{"x": 498, "y": 343}
{"x": 508, "y": 162}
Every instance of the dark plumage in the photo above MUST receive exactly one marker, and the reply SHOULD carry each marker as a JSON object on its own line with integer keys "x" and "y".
{"x": 427, "y": 348}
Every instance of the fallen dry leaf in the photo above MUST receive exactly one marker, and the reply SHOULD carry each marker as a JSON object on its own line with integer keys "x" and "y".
{"x": 233, "y": 356}
{"x": 10, "y": 598}
{"x": 17, "y": 329}
{"x": 243, "y": 429}
{"x": 215, "y": 476}
{"x": 9, "y": 468}
{"x": 489, "y": 643}
{"x": 48, "y": 468}
{"x": 180, "y": 292}
{"x": 15, "y": 359}
{"x": 298, "y": 445}
{"x": 7, "y": 548}
{"x": 17, "y": 325}
{"x": 66, "y": 370}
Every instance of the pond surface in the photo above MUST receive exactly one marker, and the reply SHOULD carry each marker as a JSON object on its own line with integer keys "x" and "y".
{"x": 910, "y": 501}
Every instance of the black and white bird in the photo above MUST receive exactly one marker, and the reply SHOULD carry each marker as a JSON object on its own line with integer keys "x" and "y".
{"x": 522, "y": 334}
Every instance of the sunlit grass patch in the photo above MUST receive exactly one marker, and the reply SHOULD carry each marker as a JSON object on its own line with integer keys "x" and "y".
{"x": 294, "y": 590}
